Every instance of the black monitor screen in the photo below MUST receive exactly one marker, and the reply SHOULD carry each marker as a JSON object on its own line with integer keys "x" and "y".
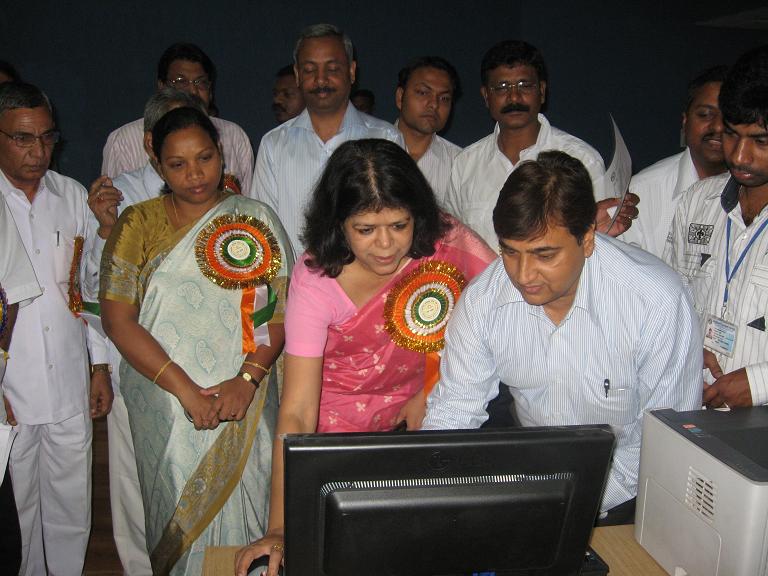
{"x": 518, "y": 501}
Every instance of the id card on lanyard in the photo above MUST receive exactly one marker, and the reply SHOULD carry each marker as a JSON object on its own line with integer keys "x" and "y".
{"x": 719, "y": 334}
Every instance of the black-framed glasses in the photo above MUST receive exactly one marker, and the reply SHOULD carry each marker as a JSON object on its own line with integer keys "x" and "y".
{"x": 182, "y": 83}
{"x": 27, "y": 140}
{"x": 521, "y": 87}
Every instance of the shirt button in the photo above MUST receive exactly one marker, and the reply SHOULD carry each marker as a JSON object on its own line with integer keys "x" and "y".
{"x": 47, "y": 328}
{"x": 37, "y": 251}
{"x": 31, "y": 216}
{"x": 50, "y": 366}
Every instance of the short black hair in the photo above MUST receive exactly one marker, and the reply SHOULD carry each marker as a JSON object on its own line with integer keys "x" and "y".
{"x": 513, "y": 53}
{"x": 430, "y": 62}
{"x": 362, "y": 176}
{"x": 744, "y": 93}
{"x": 713, "y": 74}
{"x": 285, "y": 71}
{"x": 553, "y": 189}
{"x": 9, "y": 70}
{"x": 190, "y": 53}
{"x": 15, "y": 95}
{"x": 178, "y": 119}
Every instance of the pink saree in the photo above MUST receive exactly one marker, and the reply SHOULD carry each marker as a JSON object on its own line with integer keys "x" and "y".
{"x": 375, "y": 362}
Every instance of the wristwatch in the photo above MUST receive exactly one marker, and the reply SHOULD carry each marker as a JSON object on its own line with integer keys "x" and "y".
{"x": 248, "y": 378}
{"x": 107, "y": 368}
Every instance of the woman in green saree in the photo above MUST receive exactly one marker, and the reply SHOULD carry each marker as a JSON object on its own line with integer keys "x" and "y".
{"x": 192, "y": 293}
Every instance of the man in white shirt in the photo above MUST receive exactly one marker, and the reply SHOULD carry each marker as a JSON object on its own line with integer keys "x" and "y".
{"x": 46, "y": 383}
{"x": 582, "y": 328}
{"x": 107, "y": 198}
{"x": 18, "y": 286}
{"x": 719, "y": 244}
{"x": 184, "y": 67}
{"x": 514, "y": 88}
{"x": 292, "y": 156}
{"x": 662, "y": 185}
{"x": 287, "y": 100}
{"x": 426, "y": 89}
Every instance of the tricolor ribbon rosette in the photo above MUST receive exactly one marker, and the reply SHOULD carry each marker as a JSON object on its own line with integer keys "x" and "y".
{"x": 418, "y": 307}
{"x": 237, "y": 251}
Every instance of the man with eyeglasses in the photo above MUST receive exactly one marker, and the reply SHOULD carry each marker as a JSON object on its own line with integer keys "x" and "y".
{"x": 48, "y": 392}
{"x": 426, "y": 89}
{"x": 514, "y": 88}
{"x": 184, "y": 67}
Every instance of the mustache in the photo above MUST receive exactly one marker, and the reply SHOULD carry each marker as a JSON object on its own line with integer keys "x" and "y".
{"x": 278, "y": 107}
{"x": 515, "y": 107}
{"x": 713, "y": 136}
{"x": 322, "y": 90}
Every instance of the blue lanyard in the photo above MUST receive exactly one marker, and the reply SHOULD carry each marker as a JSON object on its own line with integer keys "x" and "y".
{"x": 729, "y": 274}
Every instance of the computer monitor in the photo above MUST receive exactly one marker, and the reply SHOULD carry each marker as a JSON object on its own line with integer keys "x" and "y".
{"x": 515, "y": 501}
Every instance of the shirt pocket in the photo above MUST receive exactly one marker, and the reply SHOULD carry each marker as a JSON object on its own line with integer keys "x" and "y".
{"x": 63, "y": 256}
{"x": 613, "y": 397}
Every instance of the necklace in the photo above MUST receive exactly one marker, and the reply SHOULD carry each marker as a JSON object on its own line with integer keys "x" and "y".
{"x": 175, "y": 212}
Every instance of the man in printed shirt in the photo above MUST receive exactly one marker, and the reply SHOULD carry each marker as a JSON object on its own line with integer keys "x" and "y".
{"x": 514, "y": 88}
{"x": 719, "y": 232}
{"x": 184, "y": 67}
{"x": 582, "y": 328}
{"x": 426, "y": 89}
{"x": 47, "y": 385}
{"x": 292, "y": 156}
{"x": 662, "y": 185}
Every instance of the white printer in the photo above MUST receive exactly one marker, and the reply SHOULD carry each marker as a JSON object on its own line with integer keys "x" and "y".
{"x": 702, "y": 503}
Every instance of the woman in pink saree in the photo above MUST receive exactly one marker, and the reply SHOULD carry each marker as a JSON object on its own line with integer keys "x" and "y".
{"x": 367, "y": 306}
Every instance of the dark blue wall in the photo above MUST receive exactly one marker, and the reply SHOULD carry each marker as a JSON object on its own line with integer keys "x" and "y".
{"x": 96, "y": 59}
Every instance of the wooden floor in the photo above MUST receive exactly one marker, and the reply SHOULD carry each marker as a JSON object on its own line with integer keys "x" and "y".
{"x": 101, "y": 558}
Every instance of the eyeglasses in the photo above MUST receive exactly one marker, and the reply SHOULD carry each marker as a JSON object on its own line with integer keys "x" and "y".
{"x": 27, "y": 140}
{"x": 521, "y": 86}
{"x": 181, "y": 83}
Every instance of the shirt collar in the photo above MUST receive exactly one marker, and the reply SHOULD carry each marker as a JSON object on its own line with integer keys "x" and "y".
{"x": 545, "y": 131}
{"x": 729, "y": 197}
{"x": 352, "y": 117}
{"x": 686, "y": 174}
{"x": 585, "y": 298}
{"x": 6, "y": 188}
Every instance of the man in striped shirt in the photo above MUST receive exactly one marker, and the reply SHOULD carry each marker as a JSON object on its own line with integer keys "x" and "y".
{"x": 584, "y": 329}
{"x": 183, "y": 67}
{"x": 718, "y": 243}
{"x": 292, "y": 156}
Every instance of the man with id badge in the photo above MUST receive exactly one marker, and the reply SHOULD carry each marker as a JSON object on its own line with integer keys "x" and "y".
{"x": 718, "y": 242}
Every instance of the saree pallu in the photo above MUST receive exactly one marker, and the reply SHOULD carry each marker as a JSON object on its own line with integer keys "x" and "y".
{"x": 367, "y": 376}
{"x": 200, "y": 487}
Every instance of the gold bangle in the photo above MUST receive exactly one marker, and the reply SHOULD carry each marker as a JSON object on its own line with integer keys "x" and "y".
{"x": 259, "y": 366}
{"x": 159, "y": 372}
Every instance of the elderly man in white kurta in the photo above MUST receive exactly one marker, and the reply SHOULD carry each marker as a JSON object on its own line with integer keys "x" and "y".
{"x": 47, "y": 384}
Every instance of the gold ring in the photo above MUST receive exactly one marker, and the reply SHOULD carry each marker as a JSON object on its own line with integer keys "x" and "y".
{"x": 278, "y": 548}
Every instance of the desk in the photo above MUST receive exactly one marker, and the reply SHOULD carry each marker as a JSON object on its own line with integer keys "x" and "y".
{"x": 616, "y": 544}
{"x": 622, "y": 553}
